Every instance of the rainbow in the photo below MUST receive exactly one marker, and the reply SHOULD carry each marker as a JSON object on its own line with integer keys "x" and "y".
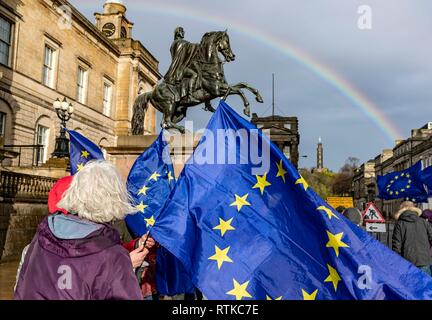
{"x": 357, "y": 99}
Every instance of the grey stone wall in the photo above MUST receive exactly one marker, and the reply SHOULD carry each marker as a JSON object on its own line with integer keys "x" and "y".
{"x": 22, "y": 207}
{"x": 18, "y": 223}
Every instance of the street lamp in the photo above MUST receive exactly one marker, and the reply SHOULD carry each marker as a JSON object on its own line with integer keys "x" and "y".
{"x": 64, "y": 111}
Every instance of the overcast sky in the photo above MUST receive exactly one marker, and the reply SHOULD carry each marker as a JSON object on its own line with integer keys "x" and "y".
{"x": 390, "y": 64}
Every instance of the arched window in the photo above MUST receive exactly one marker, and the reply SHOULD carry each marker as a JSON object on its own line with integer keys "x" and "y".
{"x": 123, "y": 32}
{"x": 6, "y": 124}
{"x": 42, "y": 139}
{"x": 103, "y": 144}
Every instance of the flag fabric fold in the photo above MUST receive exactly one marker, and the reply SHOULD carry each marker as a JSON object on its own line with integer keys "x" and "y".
{"x": 269, "y": 235}
{"x": 426, "y": 177}
{"x": 150, "y": 182}
{"x": 82, "y": 150}
{"x": 405, "y": 184}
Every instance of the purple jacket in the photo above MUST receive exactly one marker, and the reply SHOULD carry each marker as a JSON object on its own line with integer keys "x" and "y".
{"x": 74, "y": 259}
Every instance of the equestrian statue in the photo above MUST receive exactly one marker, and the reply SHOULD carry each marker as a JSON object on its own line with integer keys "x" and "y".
{"x": 196, "y": 76}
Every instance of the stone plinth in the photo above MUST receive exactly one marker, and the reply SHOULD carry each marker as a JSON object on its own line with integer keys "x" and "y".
{"x": 130, "y": 147}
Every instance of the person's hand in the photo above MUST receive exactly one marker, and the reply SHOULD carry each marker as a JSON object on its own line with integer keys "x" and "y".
{"x": 138, "y": 255}
{"x": 149, "y": 242}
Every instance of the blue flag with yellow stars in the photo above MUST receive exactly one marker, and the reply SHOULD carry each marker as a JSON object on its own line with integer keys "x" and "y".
{"x": 82, "y": 150}
{"x": 150, "y": 182}
{"x": 270, "y": 236}
{"x": 406, "y": 184}
{"x": 426, "y": 176}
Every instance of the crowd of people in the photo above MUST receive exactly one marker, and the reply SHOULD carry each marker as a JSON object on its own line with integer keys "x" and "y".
{"x": 84, "y": 245}
{"x": 412, "y": 233}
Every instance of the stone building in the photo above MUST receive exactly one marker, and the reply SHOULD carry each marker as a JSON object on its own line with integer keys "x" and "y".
{"x": 364, "y": 185}
{"x": 418, "y": 147}
{"x": 48, "y": 51}
{"x": 283, "y": 131}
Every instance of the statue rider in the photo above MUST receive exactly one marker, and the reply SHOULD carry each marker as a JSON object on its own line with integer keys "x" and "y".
{"x": 182, "y": 54}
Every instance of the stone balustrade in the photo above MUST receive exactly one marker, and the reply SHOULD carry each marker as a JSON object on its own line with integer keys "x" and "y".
{"x": 23, "y": 204}
{"x": 23, "y": 186}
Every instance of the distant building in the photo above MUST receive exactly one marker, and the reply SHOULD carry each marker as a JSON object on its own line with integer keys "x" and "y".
{"x": 364, "y": 184}
{"x": 284, "y": 132}
{"x": 49, "y": 50}
{"x": 405, "y": 153}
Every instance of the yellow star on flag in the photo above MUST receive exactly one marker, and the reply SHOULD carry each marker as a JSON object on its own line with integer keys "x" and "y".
{"x": 311, "y": 296}
{"x": 143, "y": 190}
{"x": 84, "y": 154}
{"x": 221, "y": 256}
{"x": 155, "y": 176}
{"x": 281, "y": 171}
{"x": 333, "y": 277}
{"x": 262, "y": 183}
{"x": 240, "y": 202}
{"x": 150, "y": 221}
{"x": 80, "y": 166}
{"x": 240, "y": 290}
{"x": 269, "y": 298}
{"x": 141, "y": 207}
{"x": 335, "y": 242}
{"x": 224, "y": 226}
{"x": 303, "y": 182}
{"x": 328, "y": 211}
{"x": 170, "y": 176}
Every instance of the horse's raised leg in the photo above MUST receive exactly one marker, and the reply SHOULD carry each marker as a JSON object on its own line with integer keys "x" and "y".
{"x": 237, "y": 91}
{"x": 244, "y": 85}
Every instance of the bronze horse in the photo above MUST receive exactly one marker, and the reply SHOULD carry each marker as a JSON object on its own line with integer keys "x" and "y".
{"x": 211, "y": 84}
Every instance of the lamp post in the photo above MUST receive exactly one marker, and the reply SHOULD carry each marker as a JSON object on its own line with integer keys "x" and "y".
{"x": 64, "y": 111}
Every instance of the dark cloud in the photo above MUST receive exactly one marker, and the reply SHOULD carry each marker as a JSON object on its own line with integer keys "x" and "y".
{"x": 390, "y": 64}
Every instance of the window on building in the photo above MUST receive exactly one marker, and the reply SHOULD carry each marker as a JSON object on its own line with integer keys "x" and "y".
{"x": 5, "y": 41}
{"x": 42, "y": 140}
{"x": 287, "y": 152}
{"x": 2, "y": 124}
{"x": 81, "y": 85}
{"x": 48, "y": 69}
{"x": 107, "y": 99}
{"x": 123, "y": 32}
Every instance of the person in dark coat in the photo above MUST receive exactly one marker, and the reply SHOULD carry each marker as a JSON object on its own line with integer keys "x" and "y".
{"x": 427, "y": 214}
{"x": 79, "y": 256}
{"x": 412, "y": 236}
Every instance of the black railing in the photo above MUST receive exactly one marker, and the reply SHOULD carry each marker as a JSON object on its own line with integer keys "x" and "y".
{"x": 37, "y": 151}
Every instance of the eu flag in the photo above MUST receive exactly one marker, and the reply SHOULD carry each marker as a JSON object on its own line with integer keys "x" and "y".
{"x": 406, "y": 184}
{"x": 150, "y": 182}
{"x": 82, "y": 150}
{"x": 244, "y": 235}
{"x": 426, "y": 177}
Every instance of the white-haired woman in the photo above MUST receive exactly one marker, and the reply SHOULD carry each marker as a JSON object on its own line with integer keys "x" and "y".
{"x": 80, "y": 256}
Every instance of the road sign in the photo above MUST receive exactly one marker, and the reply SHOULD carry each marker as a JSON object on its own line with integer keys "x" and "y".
{"x": 335, "y": 202}
{"x": 376, "y": 227}
{"x": 372, "y": 214}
